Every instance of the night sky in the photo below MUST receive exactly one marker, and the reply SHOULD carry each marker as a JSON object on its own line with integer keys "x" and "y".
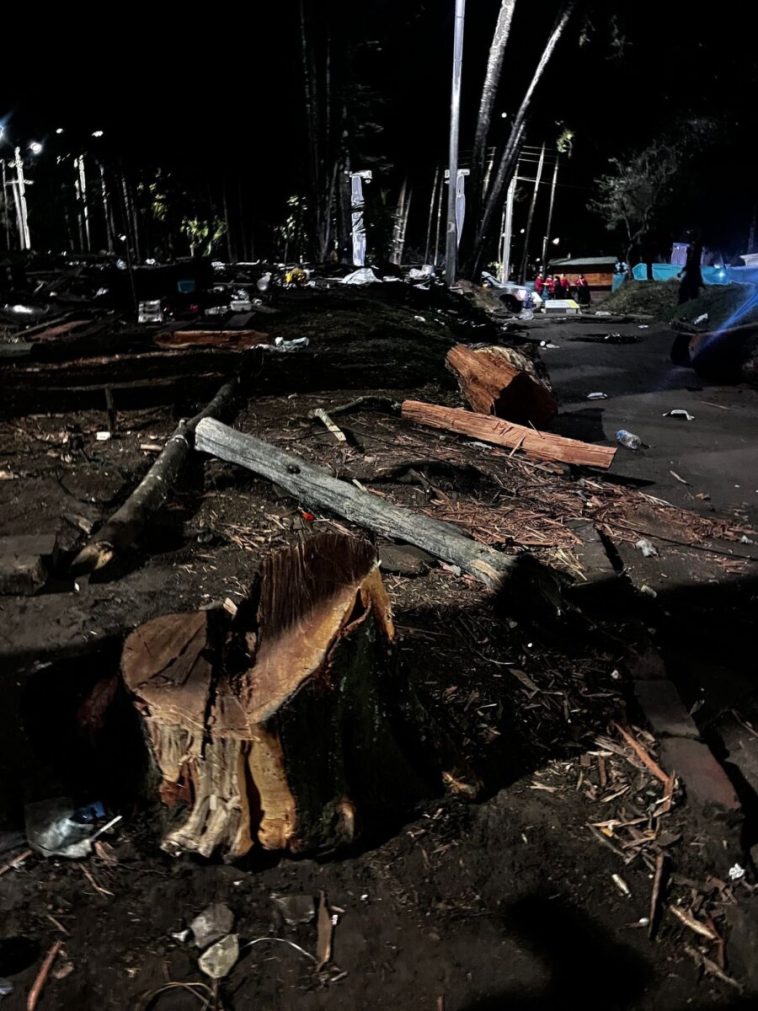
{"x": 216, "y": 94}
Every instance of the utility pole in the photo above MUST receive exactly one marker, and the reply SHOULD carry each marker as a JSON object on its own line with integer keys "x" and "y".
{"x": 451, "y": 244}
{"x": 525, "y": 254}
{"x": 80, "y": 184}
{"x": 6, "y": 216}
{"x": 107, "y": 215}
{"x": 546, "y": 239}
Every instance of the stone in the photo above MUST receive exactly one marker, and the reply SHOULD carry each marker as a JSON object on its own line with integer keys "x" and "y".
{"x": 663, "y": 708}
{"x": 214, "y": 922}
{"x": 404, "y": 559}
{"x": 24, "y": 562}
{"x": 219, "y": 960}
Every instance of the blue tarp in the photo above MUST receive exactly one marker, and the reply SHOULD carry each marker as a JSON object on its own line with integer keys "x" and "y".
{"x": 711, "y": 275}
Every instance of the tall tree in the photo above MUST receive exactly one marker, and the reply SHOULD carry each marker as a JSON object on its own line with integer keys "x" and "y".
{"x": 493, "y": 198}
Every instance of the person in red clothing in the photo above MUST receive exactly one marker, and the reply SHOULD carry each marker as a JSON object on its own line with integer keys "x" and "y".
{"x": 550, "y": 286}
{"x": 539, "y": 284}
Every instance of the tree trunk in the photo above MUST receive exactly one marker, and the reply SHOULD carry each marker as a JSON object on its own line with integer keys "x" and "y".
{"x": 311, "y": 740}
{"x": 315, "y": 487}
{"x": 507, "y": 160}
{"x": 495, "y": 381}
{"x": 486, "y": 104}
{"x": 123, "y": 528}
{"x": 541, "y": 445}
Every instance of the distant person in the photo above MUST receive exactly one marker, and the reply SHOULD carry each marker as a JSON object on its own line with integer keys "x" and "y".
{"x": 550, "y": 286}
{"x": 565, "y": 286}
{"x": 539, "y": 284}
{"x": 691, "y": 277}
{"x": 583, "y": 296}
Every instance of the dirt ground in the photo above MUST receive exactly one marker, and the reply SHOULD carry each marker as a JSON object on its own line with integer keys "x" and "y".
{"x": 537, "y": 894}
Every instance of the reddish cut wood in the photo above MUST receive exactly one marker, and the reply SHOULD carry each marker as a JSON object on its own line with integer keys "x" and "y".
{"x": 492, "y": 382}
{"x": 541, "y": 445}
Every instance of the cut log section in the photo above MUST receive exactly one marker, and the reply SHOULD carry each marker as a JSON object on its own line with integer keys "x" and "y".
{"x": 308, "y": 743}
{"x": 503, "y": 383}
{"x": 541, "y": 445}
{"x": 123, "y": 528}
{"x": 315, "y": 487}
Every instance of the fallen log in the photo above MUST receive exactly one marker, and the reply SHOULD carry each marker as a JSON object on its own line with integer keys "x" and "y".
{"x": 125, "y": 525}
{"x": 499, "y": 381}
{"x": 315, "y": 487}
{"x": 309, "y": 743}
{"x": 541, "y": 445}
{"x": 239, "y": 339}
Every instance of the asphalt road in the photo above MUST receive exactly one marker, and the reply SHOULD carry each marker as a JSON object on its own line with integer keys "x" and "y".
{"x": 716, "y": 454}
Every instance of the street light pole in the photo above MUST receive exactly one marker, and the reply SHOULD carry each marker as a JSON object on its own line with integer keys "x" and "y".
{"x": 451, "y": 244}
{"x": 525, "y": 255}
{"x": 546, "y": 239}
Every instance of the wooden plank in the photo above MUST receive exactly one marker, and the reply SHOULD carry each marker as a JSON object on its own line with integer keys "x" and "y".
{"x": 315, "y": 487}
{"x": 541, "y": 445}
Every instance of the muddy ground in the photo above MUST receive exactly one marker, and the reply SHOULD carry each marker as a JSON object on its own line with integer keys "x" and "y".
{"x": 535, "y": 895}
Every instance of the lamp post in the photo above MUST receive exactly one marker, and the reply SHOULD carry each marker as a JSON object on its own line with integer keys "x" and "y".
{"x": 451, "y": 243}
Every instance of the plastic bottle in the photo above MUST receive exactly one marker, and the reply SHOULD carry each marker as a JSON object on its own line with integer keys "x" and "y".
{"x": 628, "y": 439}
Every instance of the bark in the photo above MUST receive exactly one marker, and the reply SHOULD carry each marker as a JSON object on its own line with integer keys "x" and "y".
{"x": 507, "y": 161}
{"x": 494, "y": 381}
{"x": 123, "y": 528}
{"x": 316, "y": 488}
{"x": 487, "y": 102}
{"x": 310, "y": 741}
{"x": 540, "y": 445}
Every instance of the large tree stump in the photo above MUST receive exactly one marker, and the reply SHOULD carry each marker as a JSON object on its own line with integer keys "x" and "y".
{"x": 308, "y": 741}
{"x": 503, "y": 383}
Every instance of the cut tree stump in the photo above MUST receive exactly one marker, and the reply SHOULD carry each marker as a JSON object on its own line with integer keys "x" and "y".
{"x": 310, "y": 739}
{"x": 315, "y": 487}
{"x": 123, "y": 528}
{"x": 503, "y": 383}
{"x": 541, "y": 445}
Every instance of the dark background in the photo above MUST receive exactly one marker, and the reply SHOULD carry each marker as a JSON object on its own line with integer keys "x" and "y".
{"x": 215, "y": 95}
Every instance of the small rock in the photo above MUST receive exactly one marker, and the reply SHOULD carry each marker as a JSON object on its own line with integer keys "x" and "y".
{"x": 220, "y": 958}
{"x": 404, "y": 559}
{"x": 214, "y": 922}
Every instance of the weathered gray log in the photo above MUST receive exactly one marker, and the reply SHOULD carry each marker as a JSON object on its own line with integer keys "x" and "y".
{"x": 315, "y": 487}
{"x": 125, "y": 525}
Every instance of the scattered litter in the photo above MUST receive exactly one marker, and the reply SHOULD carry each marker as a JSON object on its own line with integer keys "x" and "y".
{"x": 679, "y": 412}
{"x": 602, "y": 312}
{"x": 597, "y": 396}
{"x": 549, "y": 345}
{"x": 282, "y": 940}
{"x": 628, "y": 439}
{"x": 102, "y": 436}
{"x": 295, "y": 909}
{"x": 219, "y": 960}
{"x": 702, "y": 318}
{"x": 6, "y": 987}
{"x": 151, "y": 447}
{"x": 214, "y": 922}
{"x": 280, "y": 344}
{"x": 55, "y": 828}
{"x": 746, "y": 540}
{"x": 622, "y": 886}
{"x": 681, "y": 480}
{"x": 420, "y": 319}
{"x": 643, "y": 326}
{"x": 647, "y": 548}
{"x": 648, "y": 591}
{"x": 364, "y": 275}
{"x": 525, "y": 315}
{"x": 736, "y": 872}
{"x": 182, "y": 936}
{"x": 63, "y": 970}
{"x": 325, "y": 932}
